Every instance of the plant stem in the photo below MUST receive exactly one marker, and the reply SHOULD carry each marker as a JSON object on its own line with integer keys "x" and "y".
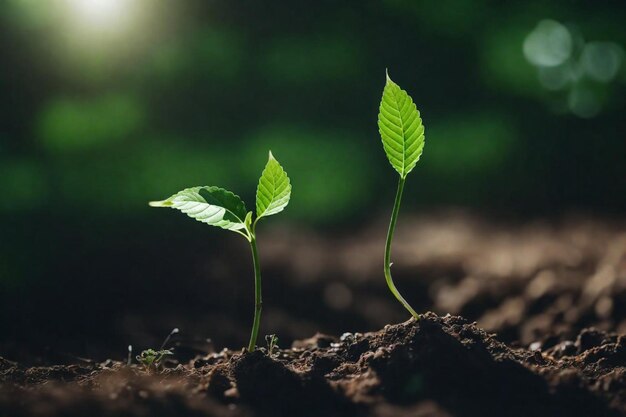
{"x": 258, "y": 301}
{"x": 392, "y": 226}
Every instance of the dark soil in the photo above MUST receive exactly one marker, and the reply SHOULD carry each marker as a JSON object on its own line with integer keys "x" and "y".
{"x": 539, "y": 309}
{"x": 526, "y": 281}
{"x": 439, "y": 366}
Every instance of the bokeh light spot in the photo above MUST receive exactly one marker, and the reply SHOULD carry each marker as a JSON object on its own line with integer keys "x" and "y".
{"x": 555, "y": 78}
{"x": 602, "y": 60}
{"x": 549, "y": 44}
{"x": 583, "y": 102}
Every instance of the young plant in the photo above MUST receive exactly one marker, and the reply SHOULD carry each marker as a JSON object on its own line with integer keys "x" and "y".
{"x": 218, "y": 207}
{"x": 272, "y": 343}
{"x": 152, "y": 359}
{"x": 402, "y": 134}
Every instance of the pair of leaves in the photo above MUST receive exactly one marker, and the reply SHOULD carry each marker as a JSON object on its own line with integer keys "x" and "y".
{"x": 216, "y": 206}
{"x": 400, "y": 128}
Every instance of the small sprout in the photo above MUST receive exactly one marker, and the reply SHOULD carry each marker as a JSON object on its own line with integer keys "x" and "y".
{"x": 272, "y": 343}
{"x": 152, "y": 359}
{"x": 402, "y": 134}
{"x": 130, "y": 355}
{"x": 216, "y": 206}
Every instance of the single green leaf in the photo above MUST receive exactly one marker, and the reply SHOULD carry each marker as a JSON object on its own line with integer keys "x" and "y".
{"x": 248, "y": 221}
{"x": 274, "y": 190}
{"x": 400, "y": 128}
{"x": 211, "y": 205}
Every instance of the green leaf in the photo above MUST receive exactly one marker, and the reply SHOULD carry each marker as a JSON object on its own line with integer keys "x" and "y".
{"x": 274, "y": 190}
{"x": 211, "y": 205}
{"x": 400, "y": 128}
{"x": 248, "y": 221}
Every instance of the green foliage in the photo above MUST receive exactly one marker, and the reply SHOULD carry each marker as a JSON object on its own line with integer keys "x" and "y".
{"x": 319, "y": 157}
{"x": 400, "y": 128}
{"x": 216, "y": 206}
{"x": 274, "y": 190}
{"x": 271, "y": 340}
{"x": 402, "y": 133}
{"x": 152, "y": 359}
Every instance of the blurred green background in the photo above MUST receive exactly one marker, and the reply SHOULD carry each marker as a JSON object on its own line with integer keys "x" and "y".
{"x": 107, "y": 104}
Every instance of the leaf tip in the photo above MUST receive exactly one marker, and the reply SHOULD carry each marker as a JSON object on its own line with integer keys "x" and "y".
{"x": 271, "y": 156}
{"x": 387, "y": 78}
{"x": 162, "y": 203}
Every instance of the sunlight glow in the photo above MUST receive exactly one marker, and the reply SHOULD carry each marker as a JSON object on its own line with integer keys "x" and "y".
{"x": 101, "y": 14}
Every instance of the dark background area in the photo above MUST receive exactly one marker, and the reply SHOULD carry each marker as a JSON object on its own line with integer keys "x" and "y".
{"x": 107, "y": 105}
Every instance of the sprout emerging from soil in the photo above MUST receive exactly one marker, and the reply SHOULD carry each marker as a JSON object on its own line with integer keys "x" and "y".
{"x": 272, "y": 343}
{"x": 402, "y": 134}
{"x": 152, "y": 359}
{"x": 216, "y": 206}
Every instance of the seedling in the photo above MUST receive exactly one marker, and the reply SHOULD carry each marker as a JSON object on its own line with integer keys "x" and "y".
{"x": 218, "y": 207}
{"x": 272, "y": 343}
{"x": 152, "y": 359}
{"x": 402, "y": 134}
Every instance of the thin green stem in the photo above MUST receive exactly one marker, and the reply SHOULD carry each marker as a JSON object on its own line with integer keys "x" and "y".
{"x": 258, "y": 301}
{"x": 392, "y": 227}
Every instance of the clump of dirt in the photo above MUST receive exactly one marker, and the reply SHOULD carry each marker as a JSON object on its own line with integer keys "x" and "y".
{"x": 437, "y": 366}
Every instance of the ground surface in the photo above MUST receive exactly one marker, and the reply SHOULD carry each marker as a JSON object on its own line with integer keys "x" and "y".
{"x": 434, "y": 367}
{"x": 537, "y": 312}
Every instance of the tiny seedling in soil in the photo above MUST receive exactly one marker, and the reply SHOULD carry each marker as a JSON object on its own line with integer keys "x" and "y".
{"x": 402, "y": 134}
{"x": 152, "y": 359}
{"x": 216, "y": 206}
{"x": 272, "y": 343}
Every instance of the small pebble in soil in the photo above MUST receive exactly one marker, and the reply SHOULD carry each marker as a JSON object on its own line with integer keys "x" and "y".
{"x": 347, "y": 337}
{"x": 566, "y": 348}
